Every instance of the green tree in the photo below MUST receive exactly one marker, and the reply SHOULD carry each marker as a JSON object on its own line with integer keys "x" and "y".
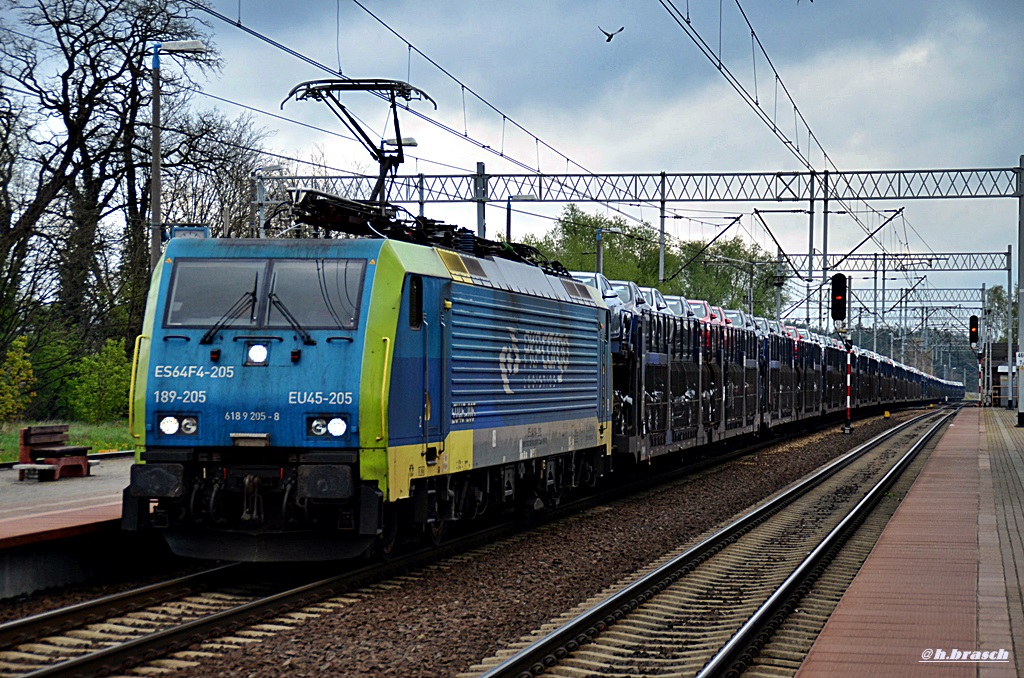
{"x": 630, "y": 248}
{"x": 724, "y": 272}
{"x": 16, "y": 381}
{"x": 719, "y": 273}
{"x": 995, "y": 301}
{"x": 100, "y": 391}
{"x": 55, "y": 359}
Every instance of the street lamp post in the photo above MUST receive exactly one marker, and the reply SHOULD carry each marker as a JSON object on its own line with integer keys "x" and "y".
{"x": 508, "y": 212}
{"x": 180, "y": 46}
{"x": 600, "y": 246}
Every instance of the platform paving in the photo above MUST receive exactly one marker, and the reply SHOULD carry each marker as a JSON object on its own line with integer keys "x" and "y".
{"x": 945, "y": 576}
{"x": 1006, "y": 448}
{"x": 32, "y": 511}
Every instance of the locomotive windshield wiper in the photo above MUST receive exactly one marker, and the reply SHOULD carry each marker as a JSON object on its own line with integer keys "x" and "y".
{"x": 248, "y": 299}
{"x": 299, "y": 329}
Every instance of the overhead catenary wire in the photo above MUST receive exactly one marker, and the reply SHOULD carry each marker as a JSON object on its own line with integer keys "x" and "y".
{"x": 757, "y": 213}
{"x": 754, "y": 39}
{"x": 538, "y": 142}
{"x": 328, "y": 69}
{"x": 247, "y": 107}
{"x": 237, "y": 23}
{"x": 466, "y": 88}
{"x": 702, "y": 250}
{"x": 752, "y": 101}
{"x": 444, "y": 127}
{"x": 322, "y": 130}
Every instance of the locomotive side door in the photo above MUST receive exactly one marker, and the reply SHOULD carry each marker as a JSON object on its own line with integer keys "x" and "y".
{"x": 437, "y": 295}
{"x": 420, "y": 364}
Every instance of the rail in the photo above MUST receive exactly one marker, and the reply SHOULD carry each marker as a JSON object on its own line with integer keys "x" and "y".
{"x": 725, "y": 658}
{"x": 545, "y": 652}
{"x": 137, "y": 650}
{"x": 55, "y": 621}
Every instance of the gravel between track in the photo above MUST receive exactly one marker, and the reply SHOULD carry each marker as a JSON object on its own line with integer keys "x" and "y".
{"x": 442, "y": 622}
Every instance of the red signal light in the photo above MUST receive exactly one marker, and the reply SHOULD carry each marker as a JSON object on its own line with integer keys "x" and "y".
{"x": 839, "y": 297}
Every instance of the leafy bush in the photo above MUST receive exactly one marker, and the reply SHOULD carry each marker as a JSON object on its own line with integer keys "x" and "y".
{"x": 100, "y": 391}
{"x": 16, "y": 381}
{"x": 55, "y": 360}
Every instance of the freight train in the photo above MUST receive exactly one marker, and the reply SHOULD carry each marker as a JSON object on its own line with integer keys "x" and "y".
{"x": 307, "y": 399}
{"x": 314, "y": 398}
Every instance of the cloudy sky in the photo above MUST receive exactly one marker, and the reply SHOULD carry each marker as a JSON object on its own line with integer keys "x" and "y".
{"x": 915, "y": 84}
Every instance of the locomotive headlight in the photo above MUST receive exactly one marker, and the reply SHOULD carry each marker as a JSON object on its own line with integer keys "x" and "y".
{"x": 169, "y": 426}
{"x": 318, "y": 427}
{"x": 337, "y": 427}
{"x": 189, "y": 425}
{"x": 257, "y": 354}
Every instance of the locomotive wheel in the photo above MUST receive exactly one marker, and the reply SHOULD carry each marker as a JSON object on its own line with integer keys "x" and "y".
{"x": 387, "y": 542}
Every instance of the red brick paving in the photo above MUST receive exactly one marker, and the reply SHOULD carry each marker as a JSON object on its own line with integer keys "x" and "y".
{"x": 935, "y": 579}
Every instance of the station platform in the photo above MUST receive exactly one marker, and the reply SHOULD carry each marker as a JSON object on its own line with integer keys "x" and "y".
{"x": 33, "y": 511}
{"x": 68, "y": 531}
{"x": 940, "y": 593}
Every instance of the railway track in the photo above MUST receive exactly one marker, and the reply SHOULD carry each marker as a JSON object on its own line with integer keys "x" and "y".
{"x": 120, "y": 631}
{"x": 239, "y": 602}
{"x": 90, "y": 637}
{"x": 711, "y": 609}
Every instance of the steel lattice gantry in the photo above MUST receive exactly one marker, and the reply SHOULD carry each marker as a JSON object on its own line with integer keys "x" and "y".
{"x": 626, "y": 188}
{"x": 925, "y": 261}
{"x": 930, "y": 295}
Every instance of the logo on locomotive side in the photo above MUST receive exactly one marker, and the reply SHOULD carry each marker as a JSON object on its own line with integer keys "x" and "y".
{"x": 508, "y": 362}
{"x": 543, "y": 357}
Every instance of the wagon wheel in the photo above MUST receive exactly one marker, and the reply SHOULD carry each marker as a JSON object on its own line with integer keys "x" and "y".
{"x": 436, "y": 531}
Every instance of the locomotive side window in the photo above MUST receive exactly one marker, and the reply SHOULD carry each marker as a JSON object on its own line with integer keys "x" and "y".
{"x": 415, "y": 302}
{"x": 319, "y": 293}
{"x": 203, "y": 290}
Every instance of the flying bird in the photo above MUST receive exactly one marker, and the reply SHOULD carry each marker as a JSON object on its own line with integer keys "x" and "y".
{"x": 610, "y": 35}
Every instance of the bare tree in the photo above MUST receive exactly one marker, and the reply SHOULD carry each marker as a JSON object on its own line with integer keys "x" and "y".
{"x": 82, "y": 64}
{"x": 209, "y": 172}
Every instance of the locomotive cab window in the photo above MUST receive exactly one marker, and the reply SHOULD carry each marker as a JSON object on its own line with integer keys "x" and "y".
{"x": 319, "y": 293}
{"x": 203, "y": 291}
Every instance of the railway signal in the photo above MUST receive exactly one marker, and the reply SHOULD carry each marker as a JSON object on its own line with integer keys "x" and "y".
{"x": 974, "y": 329}
{"x": 839, "y": 301}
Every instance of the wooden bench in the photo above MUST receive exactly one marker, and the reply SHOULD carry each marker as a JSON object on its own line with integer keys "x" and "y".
{"x": 43, "y": 452}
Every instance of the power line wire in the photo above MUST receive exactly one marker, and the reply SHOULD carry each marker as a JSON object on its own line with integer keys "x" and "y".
{"x": 752, "y": 100}
{"x": 437, "y": 123}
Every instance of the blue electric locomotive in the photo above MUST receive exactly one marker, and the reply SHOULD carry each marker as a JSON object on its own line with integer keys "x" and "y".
{"x": 293, "y": 393}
